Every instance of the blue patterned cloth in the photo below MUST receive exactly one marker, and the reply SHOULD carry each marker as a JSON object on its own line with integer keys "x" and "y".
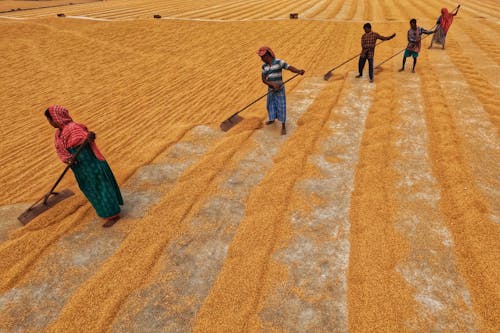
{"x": 276, "y": 105}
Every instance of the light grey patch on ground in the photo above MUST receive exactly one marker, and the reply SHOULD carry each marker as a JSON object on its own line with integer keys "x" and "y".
{"x": 8, "y": 219}
{"x": 430, "y": 267}
{"x": 182, "y": 149}
{"x": 91, "y": 246}
{"x": 154, "y": 174}
{"x": 137, "y": 203}
{"x": 314, "y": 296}
{"x": 218, "y": 211}
{"x": 192, "y": 262}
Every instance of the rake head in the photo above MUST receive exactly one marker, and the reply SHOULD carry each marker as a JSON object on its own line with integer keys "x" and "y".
{"x": 34, "y": 211}
{"x": 230, "y": 122}
{"x": 328, "y": 75}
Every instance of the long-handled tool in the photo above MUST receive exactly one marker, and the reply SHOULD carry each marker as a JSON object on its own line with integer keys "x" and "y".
{"x": 401, "y": 51}
{"x": 395, "y": 54}
{"x": 227, "y": 124}
{"x": 51, "y": 198}
{"x": 329, "y": 74}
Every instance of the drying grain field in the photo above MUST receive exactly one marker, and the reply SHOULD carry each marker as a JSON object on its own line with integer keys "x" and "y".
{"x": 379, "y": 211}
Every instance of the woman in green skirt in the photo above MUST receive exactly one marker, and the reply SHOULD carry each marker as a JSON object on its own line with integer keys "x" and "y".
{"x": 92, "y": 172}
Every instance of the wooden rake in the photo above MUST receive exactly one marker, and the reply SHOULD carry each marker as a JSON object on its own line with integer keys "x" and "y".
{"x": 51, "y": 198}
{"x": 329, "y": 74}
{"x": 230, "y": 122}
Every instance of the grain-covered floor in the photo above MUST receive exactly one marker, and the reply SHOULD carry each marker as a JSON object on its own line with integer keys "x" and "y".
{"x": 379, "y": 211}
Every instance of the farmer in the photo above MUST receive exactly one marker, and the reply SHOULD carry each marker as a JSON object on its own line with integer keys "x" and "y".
{"x": 443, "y": 24}
{"x": 271, "y": 76}
{"x": 368, "y": 41}
{"x": 414, "y": 43}
{"x": 91, "y": 170}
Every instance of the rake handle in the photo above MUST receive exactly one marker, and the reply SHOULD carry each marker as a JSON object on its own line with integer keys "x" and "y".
{"x": 352, "y": 58}
{"x": 46, "y": 196}
{"x": 261, "y": 97}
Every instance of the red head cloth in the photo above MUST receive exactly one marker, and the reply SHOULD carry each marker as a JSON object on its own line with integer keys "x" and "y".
{"x": 446, "y": 20}
{"x": 59, "y": 115}
{"x": 70, "y": 134}
{"x": 262, "y": 50}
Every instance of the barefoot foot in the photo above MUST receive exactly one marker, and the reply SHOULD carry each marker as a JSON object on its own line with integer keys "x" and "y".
{"x": 110, "y": 221}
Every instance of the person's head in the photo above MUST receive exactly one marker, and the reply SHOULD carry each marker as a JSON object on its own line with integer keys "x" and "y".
{"x": 58, "y": 116}
{"x": 49, "y": 119}
{"x": 413, "y": 23}
{"x": 267, "y": 58}
{"x": 444, "y": 11}
{"x": 266, "y": 54}
{"x": 367, "y": 27}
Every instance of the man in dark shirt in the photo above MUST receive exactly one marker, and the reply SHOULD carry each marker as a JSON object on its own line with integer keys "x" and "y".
{"x": 368, "y": 41}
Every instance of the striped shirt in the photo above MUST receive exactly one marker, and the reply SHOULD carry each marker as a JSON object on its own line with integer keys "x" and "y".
{"x": 272, "y": 72}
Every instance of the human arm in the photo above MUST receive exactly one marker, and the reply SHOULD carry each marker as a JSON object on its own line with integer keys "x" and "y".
{"x": 427, "y": 32}
{"x": 73, "y": 135}
{"x": 386, "y": 38}
{"x": 456, "y": 11}
{"x": 295, "y": 70}
{"x": 89, "y": 140}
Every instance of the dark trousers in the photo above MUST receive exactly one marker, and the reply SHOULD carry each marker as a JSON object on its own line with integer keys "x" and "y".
{"x": 361, "y": 66}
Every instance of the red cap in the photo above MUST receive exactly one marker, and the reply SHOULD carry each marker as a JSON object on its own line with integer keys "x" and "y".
{"x": 263, "y": 49}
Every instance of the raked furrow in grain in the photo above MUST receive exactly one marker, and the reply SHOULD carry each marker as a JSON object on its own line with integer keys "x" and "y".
{"x": 248, "y": 271}
{"x": 191, "y": 262}
{"x": 330, "y": 12}
{"x": 214, "y": 9}
{"x": 317, "y": 10}
{"x": 464, "y": 207}
{"x": 378, "y": 211}
{"x": 484, "y": 91}
{"x": 443, "y": 301}
{"x": 478, "y": 9}
{"x": 476, "y": 37}
{"x": 145, "y": 244}
{"x": 359, "y": 12}
{"x": 25, "y": 306}
{"x": 479, "y": 134}
{"x": 486, "y": 67}
{"x": 312, "y": 296}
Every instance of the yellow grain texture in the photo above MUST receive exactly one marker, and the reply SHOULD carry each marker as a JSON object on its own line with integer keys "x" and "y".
{"x": 196, "y": 250}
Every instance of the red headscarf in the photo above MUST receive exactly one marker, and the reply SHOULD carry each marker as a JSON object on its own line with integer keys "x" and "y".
{"x": 69, "y": 134}
{"x": 446, "y": 20}
{"x": 263, "y": 49}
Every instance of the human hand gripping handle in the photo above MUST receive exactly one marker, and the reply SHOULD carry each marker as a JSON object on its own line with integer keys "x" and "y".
{"x": 90, "y": 138}
{"x": 297, "y": 72}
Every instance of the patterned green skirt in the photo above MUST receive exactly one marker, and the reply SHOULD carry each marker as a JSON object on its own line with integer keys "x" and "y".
{"x": 97, "y": 182}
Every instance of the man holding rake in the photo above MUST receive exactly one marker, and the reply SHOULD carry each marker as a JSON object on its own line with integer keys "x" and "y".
{"x": 368, "y": 41}
{"x": 272, "y": 77}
